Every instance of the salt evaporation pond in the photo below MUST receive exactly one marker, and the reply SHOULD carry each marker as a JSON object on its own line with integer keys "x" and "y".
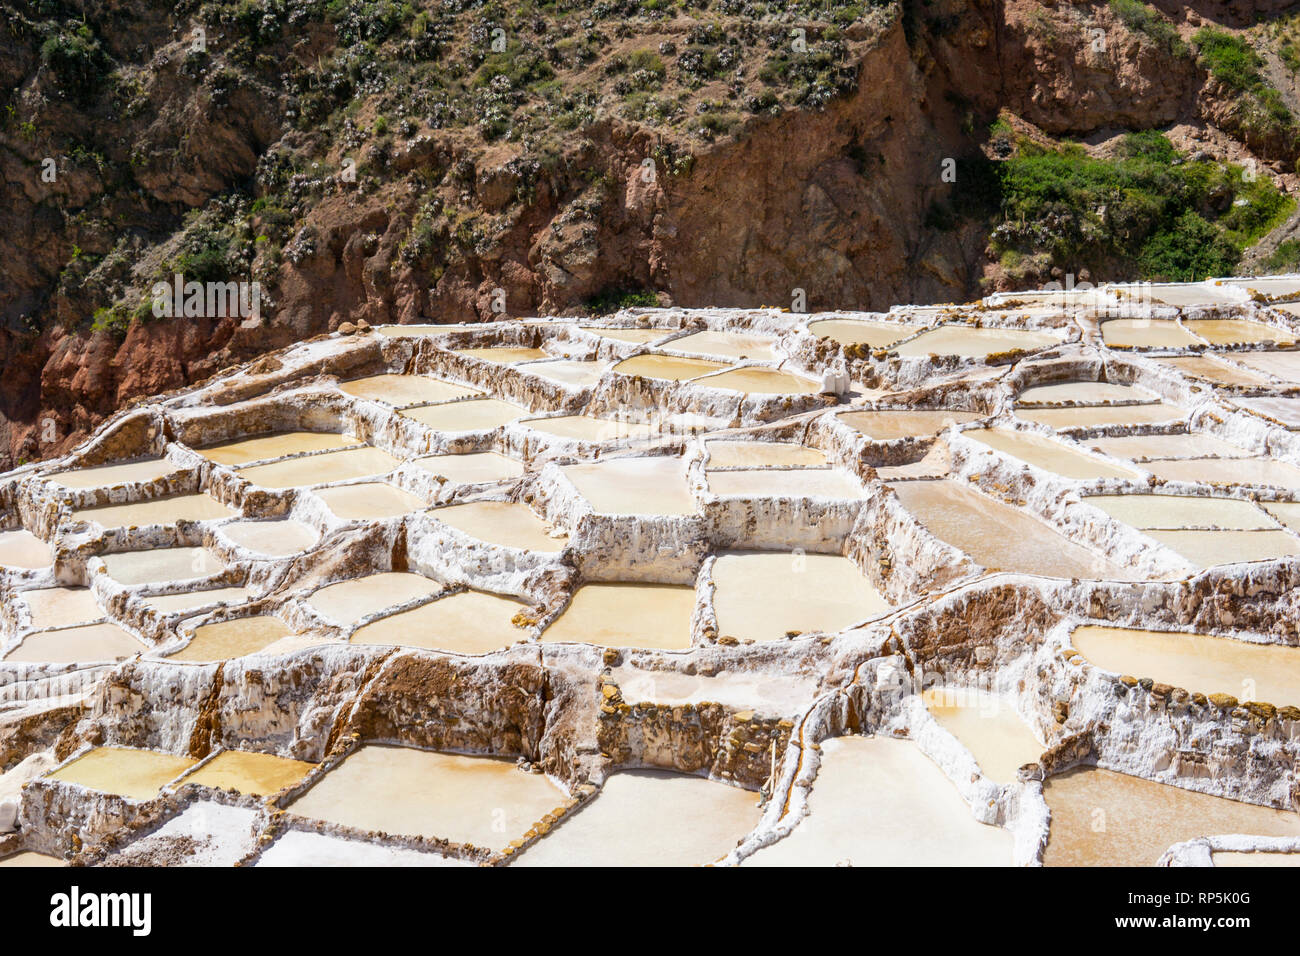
{"x": 256, "y": 773}
{"x": 969, "y": 342}
{"x": 762, "y": 381}
{"x": 22, "y": 549}
{"x": 304, "y": 848}
{"x": 988, "y": 726}
{"x": 634, "y": 336}
{"x": 761, "y": 454}
{"x": 996, "y": 535}
{"x": 349, "y": 601}
{"x": 77, "y": 645}
{"x": 882, "y": 802}
{"x": 272, "y": 539}
{"x": 1207, "y": 549}
{"x": 134, "y": 774}
{"x": 1183, "y": 295}
{"x": 472, "y": 468}
{"x": 401, "y": 390}
{"x": 1103, "y": 818}
{"x": 1095, "y": 416}
{"x": 1210, "y": 370}
{"x": 505, "y": 354}
{"x": 29, "y": 859}
{"x": 57, "y": 607}
{"x": 1180, "y": 445}
{"x": 118, "y": 473}
{"x": 742, "y": 689}
{"x": 728, "y": 345}
{"x": 276, "y": 445}
{"x": 1284, "y": 410}
{"x": 1237, "y": 332}
{"x": 633, "y": 486}
{"x": 877, "y": 335}
{"x": 1198, "y": 663}
{"x": 587, "y": 428}
{"x": 890, "y": 424}
{"x": 763, "y": 596}
{"x": 370, "y": 500}
{"x": 568, "y": 371}
{"x": 161, "y": 564}
{"x": 363, "y": 462}
{"x": 1048, "y": 454}
{"x": 669, "y": 367}
{"x": 1232, "y": 859}
{"x": 233, "y": 638}
{"x": 187, "y": 601}
{"x": 482, "y": 801}
{"x": 784, "y": 483}
{"x": 1283, "y": 365}
{"x": 469, "y": 622}
{"x": 1082, "y": 393}
{"x": 475, "y": 414}
{"x": 1147, "y": 334}
{"x": 649, "y": 818}
{"x": 162, "y": 511}
{"x": 1181, "y": 511}
{"x": 627, "y": 615}
{"x": 1228, "y": 471}
{"x": 505, "y": 523}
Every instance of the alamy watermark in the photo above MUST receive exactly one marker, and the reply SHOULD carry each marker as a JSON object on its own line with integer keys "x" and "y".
{"x": 208, "y": 300}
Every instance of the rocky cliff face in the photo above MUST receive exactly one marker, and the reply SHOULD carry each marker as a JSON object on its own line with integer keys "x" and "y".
{"x": 602, "y": 151}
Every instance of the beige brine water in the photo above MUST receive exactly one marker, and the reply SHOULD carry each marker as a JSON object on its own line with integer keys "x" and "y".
{"x": 275, "y": 539}
{"x": 473, "y": 468}
{"x": 161, "y": 564}
{"x": 889, "y": 424}
{"x": 57, "y": 607}
{"x": 255, "y": 773}
{"x": 134, "y": 774}
{"x": 632, "y": 486}
{"x": 277, "y": 445}
{"x": 372, "y": 499}
{"x": 22, "y": 549}
{"x": 759, "y": 454}
{"x": 627, "y": 615}
{"x": 469, "y": 622}
{"x": 77, "y": 645}
{"x": 476, "y": 414}
{"x": 1050, "y": 455}
{"x": 101, "y": 476}
{"x": 988, "y": 726}
{"x": 403, "y": 390}
{"x": 349, "y": 601}
{"x": 230, "y": 639}
{"x": 163, "y": 511}
{"x": 669, "y": 367}
{"x": 504, "y": 523}
{"x": 321, "y": 469}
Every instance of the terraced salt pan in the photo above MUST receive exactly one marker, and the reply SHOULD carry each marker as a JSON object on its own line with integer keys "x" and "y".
{"x": 134, "y": 774}
{"x": 762, "y": 381}
{"x": 785, "y": 694}
{"x": 57, "y": 607}
{"x": 234, "y": 638}
{"x": 320, "y": 469}
{"x": 469, "y": 622}
{"x": 882, "y": 802}
{"x": 403, "y": 390}
{"x": 473, "y": 468}
{"x": 255, "y": 773}
{"x": 668, "y": 367}
{"x": 968, "y": 342}
{"x": 1228, "y": 471}
{"x": 101, "y": 476}
{"x": 505, "y": 355}
{"x": 761, "y": 454}
{"x": 77, "y": 645}
{"x": 369, "y": 500}
{"x": 1207, "y": 549}
{"x": 649, "y": 818}
{"x": 478, "y": 800}
{"x": 568, "y": 372}
{"x": 277, "y": 445}
{"x": 635, "y": 336}
{"x": 1140, "y": 819}
{"x": 763, "y": 596}
{"x": 1287, "y": 512}
{"x": 891, "y": 424}
{"x": 587, "y": 428}
{"x": 632, "y": 486}
{"x": 728, "y": 345}
{"x": 1082, "y": 393}
{"x": 1181, "y": 511}
{"x": 1181, "y": 445}
{"x": 171, "y": 603}
{"x": 30, "y": 860}
{"x": 877, "y": 335}
{"x": 161, "y": 564}
{"x": 1283, "y": 365}
{"x": 1220, "y": 373}
{"x": 1094, "y": 416}
{"x": 1048, "y": 454}
{"x": 1237, "y": 332}
{"x": 349, "y": 601}
{"x": 1229, "y": 858}
{"x": 273, "y": 539}
{"x": 1184, "y": 295}
{"x": 784, "y": 483}
{"x": 504, "y": 523}
{"x": 304, "y": 848}
{"x": 996, "y": 535}
{"x": 988, "y": 726}
{"x": 163, "y": 511}
{"x": 1146, "y": 333}
{"x": 627, "y": 615}
{"x": 22, "y": 549}
{"x": 475, "y": 414}
{"x": 1284, "y": 410}
{"x": 1198, "y": 663}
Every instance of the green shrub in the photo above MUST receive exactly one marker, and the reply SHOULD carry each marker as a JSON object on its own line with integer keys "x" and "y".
{"x": 1285, "y": 258}
{"x": 1229, "y": 58}
{"x": 75, "y": 57}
